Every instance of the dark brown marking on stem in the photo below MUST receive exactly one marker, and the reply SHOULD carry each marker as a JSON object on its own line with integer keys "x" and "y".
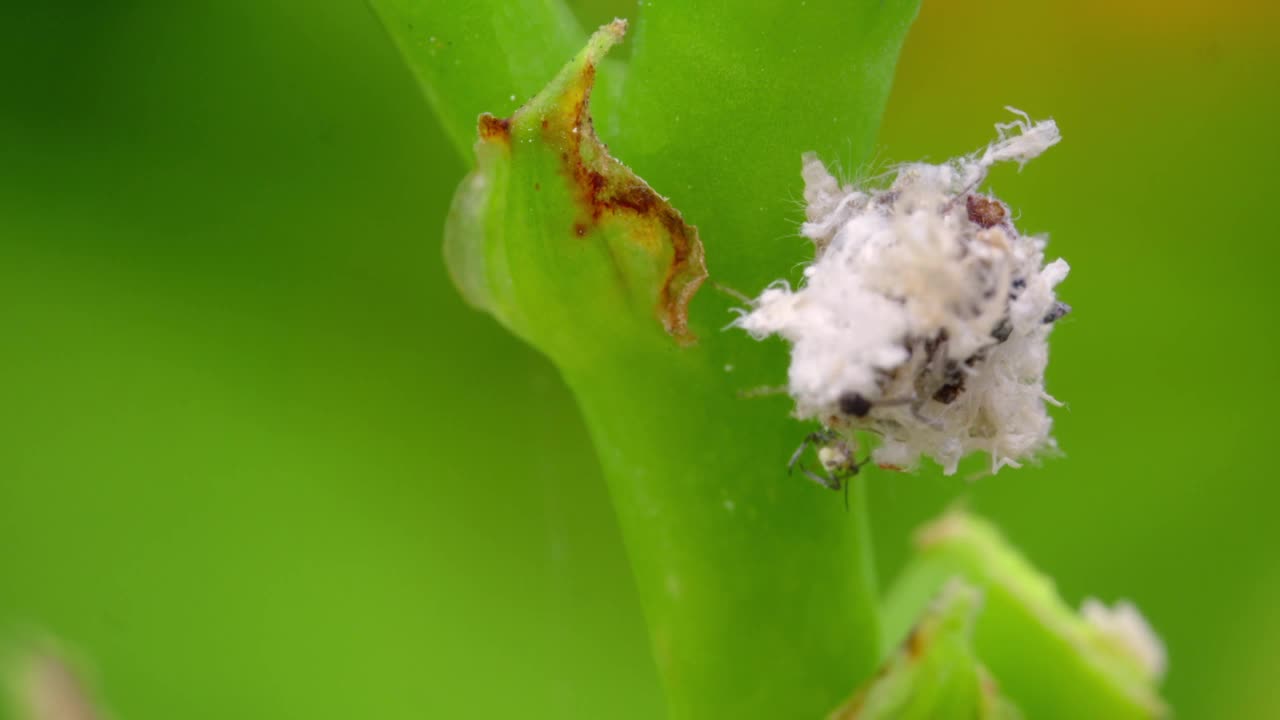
{"x": 916, "y": 644}
{"x": 493, "y": 128}
{"x": 607, "y": 188}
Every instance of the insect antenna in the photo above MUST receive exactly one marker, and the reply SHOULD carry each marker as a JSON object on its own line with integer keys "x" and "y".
{"x": 735, "y": 294}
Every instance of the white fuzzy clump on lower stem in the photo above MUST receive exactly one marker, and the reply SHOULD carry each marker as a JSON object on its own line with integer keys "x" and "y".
{"x": 925, "y": 315}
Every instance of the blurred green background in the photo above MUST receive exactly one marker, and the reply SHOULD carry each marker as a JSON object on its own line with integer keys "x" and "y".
{"x": 258, "y": 460}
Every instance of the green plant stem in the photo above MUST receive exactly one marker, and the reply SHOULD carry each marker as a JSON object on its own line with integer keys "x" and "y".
{"x": 480, "y": 55}
{"x": 720, "y": 103}
{"x": 757, "y": 587}
{"x": 718, "y": 106}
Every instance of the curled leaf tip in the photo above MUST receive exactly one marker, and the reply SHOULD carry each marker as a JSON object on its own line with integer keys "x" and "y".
{"x": 599, "y": 242}
{"x": 490, "y": 128}
{"x": 617, "y": 28}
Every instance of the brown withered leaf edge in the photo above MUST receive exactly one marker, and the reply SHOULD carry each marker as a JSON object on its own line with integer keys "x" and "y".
{"x": 605, "y": 187}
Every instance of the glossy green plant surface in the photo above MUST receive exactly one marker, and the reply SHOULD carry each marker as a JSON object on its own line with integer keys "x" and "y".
{"x": 721, "y": 102}
{"x": 257, "y": 458}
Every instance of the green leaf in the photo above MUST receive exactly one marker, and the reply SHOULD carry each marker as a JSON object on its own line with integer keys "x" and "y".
{"x": 934, "y": 674}
{"x": 1049, "y": 660}
{"x": 561, "y": 242}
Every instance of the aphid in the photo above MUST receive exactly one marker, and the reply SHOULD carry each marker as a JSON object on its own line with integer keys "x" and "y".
{"x": 948, "y": 393}
{"x": 952, "y": 384}
{"x": 984, "y": 212}
{"x": 854, "y": 404}
{"x": 836, "y": 457}
{"x": 1002, "y": 330}
{"x": 1056, "y": 312}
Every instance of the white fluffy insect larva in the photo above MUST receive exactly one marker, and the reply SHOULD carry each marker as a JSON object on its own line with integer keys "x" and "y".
{"x": 925, "y": 315}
